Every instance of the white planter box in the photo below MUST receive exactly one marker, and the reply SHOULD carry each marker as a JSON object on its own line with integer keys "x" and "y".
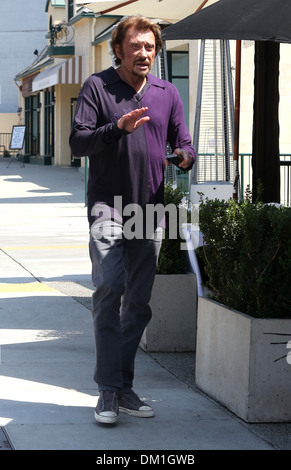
{"x": 174, "y": 306}
{"x": 241, "y": 363}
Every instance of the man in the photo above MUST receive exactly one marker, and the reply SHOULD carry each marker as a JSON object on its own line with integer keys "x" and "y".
{"x": 123, "y": 121}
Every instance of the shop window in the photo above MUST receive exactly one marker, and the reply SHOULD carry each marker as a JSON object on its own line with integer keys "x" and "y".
{"x": 32, "y": 137}
{"x": 178, "y": 69}
{"x": 49, "y": 123}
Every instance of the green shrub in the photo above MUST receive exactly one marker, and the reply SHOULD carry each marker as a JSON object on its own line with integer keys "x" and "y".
{"x": 172, "y": 260}
{"x": 247, "y": 256}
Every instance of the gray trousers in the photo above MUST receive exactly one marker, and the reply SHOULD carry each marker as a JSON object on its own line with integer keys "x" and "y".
{"x": 123, "y": 273}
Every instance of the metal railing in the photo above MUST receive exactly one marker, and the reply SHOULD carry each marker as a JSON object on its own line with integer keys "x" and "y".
{"x": 285, "y": 167}
{"x": 208, "y": 161}
{"x": 285, "y": 176}
{"x": 5, "y": 138}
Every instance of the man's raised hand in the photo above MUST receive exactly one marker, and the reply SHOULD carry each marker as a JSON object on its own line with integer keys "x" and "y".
{"x": 131, "y": 121}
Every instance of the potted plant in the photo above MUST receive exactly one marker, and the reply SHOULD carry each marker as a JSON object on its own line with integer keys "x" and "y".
{"x": 244, "y": 326}
{"x": 174, "y": 295}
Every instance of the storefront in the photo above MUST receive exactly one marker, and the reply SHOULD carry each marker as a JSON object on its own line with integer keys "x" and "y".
{"x": 58, "y": 88}
{"x": 49, "y": 95}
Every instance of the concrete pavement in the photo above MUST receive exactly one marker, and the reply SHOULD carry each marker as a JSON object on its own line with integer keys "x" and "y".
{"x": 47, "y": 393}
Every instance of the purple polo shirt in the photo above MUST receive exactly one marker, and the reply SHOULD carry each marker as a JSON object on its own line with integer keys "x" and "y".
{"x": 124, "y": 164}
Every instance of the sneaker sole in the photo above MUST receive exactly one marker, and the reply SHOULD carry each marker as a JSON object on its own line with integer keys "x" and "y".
{"x": 139, "y": 414}
{"x": 105, "y": 419}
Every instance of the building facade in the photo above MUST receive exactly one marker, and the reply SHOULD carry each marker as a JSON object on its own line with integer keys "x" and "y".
{"x": 20, "y": 42}
{"x": 77, "y": 45}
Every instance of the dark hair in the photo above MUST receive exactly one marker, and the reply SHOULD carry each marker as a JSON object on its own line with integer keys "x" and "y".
{"x": 140, "y": 23}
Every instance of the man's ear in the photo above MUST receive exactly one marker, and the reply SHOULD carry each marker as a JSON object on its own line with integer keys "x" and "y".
{"x": 118, "y": 51}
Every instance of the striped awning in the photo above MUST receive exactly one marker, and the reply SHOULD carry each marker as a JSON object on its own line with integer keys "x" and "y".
{"x": 66, "y": 73}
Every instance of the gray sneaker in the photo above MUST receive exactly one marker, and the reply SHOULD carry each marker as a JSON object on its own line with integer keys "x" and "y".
{"x": 106, "y": 410}
{"x": 131, "y": 404}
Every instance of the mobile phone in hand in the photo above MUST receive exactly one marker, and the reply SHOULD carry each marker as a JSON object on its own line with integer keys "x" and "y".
{"x": 175, "y": 159}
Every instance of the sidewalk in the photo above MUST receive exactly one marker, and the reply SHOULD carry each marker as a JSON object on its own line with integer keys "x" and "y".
{"x": 47, "y": 393}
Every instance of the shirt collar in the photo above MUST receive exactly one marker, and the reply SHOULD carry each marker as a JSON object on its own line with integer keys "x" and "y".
{"x": 153, "y": 80}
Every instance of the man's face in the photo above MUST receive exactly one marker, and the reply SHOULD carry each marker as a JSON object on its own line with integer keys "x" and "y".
{"x": 137, "y": 52}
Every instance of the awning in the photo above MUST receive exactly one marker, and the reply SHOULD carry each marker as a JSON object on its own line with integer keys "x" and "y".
{"x": 165, "y": 10}
{"x": 26, "y": 86}
{"x": 64, "y": 73}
